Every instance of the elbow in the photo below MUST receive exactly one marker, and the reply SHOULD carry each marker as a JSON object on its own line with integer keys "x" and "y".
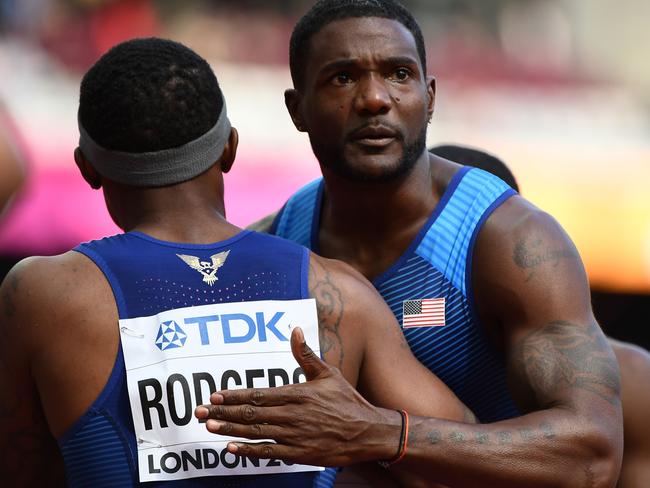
{"x": 603, "y": 456}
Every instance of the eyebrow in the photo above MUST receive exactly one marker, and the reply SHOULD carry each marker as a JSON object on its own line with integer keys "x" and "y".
{"x": 351, "y": 63}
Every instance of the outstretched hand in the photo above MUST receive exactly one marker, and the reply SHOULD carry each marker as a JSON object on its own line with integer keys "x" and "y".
{"x": 323, "y": 422}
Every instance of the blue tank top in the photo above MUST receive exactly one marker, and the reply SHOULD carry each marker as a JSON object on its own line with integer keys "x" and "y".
{"x": 148, "y": 276}
{"x": 437, "y": 264}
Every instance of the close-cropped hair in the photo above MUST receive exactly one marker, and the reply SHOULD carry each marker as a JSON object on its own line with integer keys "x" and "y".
{"x": 325, "y": 12}
{"x": 147, "y": 95}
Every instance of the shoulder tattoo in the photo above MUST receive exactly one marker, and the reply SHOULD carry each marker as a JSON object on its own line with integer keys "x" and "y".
{"x": 531, "y": 253}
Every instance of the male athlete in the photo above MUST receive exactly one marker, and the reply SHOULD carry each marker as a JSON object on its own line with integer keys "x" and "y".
{"x": 155, "y": 136}
{"x": 490, "y": 291}
{"x": 633, "y": 361}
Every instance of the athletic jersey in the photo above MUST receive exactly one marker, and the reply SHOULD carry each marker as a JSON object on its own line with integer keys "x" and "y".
{"x": 147, "y": 276}
{"x": 437, "y": 264}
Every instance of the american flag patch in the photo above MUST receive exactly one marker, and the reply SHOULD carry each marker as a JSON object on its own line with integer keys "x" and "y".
{"x": 428, "y": 312}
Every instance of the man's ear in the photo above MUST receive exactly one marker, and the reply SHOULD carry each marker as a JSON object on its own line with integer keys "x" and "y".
{"x": 292, "y": 101}
{"x": 229, "y": 151}
{"x": 431, "y": 93}
{"x": 90, "y": 174}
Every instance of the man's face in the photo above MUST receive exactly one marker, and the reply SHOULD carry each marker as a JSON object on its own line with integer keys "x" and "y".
{"x": 365, "y": 101}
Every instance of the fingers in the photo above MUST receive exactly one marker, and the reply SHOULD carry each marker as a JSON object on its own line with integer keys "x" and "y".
{"x": 311, "y": 364}
{"x": 246, "y": 414}
{"x": 252, "y": 431}
{"x": 265, "y": 450}
{"x": 262, "y": 397}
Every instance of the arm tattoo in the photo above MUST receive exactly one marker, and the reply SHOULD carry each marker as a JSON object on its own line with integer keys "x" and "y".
{"x": 529, "y": 254}
{"x": 478, "y": 435}
{"x": 561, "y": 356}
{"x": 329, "y": 304}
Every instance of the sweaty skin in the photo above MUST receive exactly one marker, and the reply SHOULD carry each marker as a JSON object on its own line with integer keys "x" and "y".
{"x": 530, "y": 287}
{"x": 59, "y": 333}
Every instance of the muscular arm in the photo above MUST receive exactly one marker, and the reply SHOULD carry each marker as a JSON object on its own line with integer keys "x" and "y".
{"x": 533, "y": 299}
{"x": 29, "y": 453}
{"x": 362, "y": 342}
{"x": 57, "y": 349}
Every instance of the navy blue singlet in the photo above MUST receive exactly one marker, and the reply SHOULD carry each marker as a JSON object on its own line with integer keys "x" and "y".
{"x": 437, "y": 264}
{"x": 147, "y": 277}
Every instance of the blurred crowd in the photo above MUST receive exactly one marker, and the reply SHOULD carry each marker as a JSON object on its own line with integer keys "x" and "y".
{"x": 559, "y": 88}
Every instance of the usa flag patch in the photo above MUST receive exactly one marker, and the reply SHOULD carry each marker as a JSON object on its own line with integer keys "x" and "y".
{"x": 427, "y": 312}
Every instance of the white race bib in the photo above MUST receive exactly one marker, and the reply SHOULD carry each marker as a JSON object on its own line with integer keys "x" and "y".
{"x": 175, "y": 359}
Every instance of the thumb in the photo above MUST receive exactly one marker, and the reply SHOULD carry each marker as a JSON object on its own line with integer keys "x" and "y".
{"x": 311, "y": 364}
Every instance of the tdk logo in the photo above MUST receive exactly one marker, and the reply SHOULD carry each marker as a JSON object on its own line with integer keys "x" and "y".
{"x": 170, "y": 336}
{"x": 234, "y": 328}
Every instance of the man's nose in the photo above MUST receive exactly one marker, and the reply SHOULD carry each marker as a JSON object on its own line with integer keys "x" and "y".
{"x": 373, "y": 96}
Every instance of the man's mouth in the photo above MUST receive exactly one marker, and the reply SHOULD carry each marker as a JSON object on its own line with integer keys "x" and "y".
{"x": 374, "y": 136}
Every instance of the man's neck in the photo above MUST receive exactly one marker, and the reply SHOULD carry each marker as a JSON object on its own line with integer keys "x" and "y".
{"x": 369, "y": 225}
{"x": 189, "y": 213}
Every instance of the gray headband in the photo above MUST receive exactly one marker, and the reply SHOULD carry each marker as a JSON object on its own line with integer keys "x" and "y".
{"x": 159, "y": 168}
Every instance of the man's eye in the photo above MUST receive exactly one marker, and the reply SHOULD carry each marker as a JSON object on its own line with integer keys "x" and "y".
{"x": 401, "y": 74}
{"x": 342, "y": 79}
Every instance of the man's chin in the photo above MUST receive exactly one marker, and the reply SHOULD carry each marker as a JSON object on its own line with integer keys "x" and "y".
{"x": 380, "y": 168}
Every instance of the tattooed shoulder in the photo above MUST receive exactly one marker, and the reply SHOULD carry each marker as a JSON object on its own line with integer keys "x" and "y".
{"x": 529, "y": 253}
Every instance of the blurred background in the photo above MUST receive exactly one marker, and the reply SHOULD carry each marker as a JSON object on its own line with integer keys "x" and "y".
{"x": 559, "y": 89}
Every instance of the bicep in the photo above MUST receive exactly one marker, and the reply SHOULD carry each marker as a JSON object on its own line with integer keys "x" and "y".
{"x": 531, "y": 284}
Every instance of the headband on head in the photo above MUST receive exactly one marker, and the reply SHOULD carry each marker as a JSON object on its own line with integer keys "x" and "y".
{"x": 158, "y": 168}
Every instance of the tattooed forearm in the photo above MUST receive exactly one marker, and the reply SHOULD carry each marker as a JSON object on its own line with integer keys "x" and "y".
{"x": 564, "y": 356}
{"x": 329, "y": 304}
{"x": 479, "y": 435}
{"x": 528, "y": 254}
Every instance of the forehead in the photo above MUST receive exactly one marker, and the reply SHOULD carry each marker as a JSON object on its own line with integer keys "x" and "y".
{"x": 360, "y": 38}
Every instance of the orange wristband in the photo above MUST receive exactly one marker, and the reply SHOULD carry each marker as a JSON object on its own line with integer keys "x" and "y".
{"x": 403, "y": 441}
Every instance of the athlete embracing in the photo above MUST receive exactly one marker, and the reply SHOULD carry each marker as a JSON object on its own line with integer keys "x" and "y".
{"x": 154, "y": 135}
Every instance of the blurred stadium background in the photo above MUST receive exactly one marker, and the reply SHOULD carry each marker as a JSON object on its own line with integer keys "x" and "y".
{"x": 560, "y": 89}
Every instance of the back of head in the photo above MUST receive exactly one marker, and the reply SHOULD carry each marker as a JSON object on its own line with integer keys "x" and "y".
{"x": 478, "y": 159}
{"x": 148, "y": 97}
{"x": 325, "y": 12}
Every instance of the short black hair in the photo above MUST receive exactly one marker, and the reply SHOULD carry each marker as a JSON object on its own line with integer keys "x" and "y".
{"x": 147, "y": 95}
{"x": 325, "y": 12}
{"x": 478, "y": 159}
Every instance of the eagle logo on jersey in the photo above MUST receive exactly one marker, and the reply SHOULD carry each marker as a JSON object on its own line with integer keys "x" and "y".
{"x": 208, "y": 269}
